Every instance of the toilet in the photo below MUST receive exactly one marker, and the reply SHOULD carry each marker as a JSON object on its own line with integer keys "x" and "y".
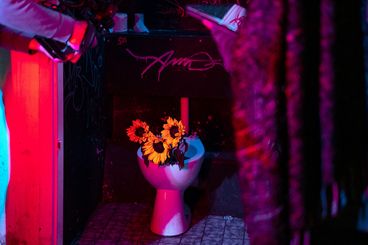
{"x": 170, "y": 217}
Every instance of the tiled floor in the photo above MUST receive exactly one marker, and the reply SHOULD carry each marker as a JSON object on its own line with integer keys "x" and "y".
{"x": 128, "y": 223}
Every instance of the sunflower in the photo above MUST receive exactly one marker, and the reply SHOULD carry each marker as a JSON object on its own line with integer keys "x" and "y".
{"x": 173, "y": 131}
{"x": 138, "y": 132}
{"x": 156, "y": 149}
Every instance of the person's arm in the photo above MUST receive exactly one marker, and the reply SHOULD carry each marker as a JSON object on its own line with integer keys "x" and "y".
{"x": 10, "y": 39}
{"x": 225, "y": 42}
{"x": 15, "y": 40}
{"x": 30, "y": 17}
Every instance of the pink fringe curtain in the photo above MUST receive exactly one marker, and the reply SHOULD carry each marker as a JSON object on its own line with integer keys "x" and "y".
{"x": 256, "y": 69}
{"x": 326, "y": 94}
{"x": 270, "y": 50}
{"x": 294, "y": 101}
{"x": 301, "y": 119}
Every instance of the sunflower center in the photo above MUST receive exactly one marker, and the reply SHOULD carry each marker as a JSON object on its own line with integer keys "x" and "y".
{"x": 158, "y": 147}
{"x": 173, "y": 131}
{"x": 139, "y": 132}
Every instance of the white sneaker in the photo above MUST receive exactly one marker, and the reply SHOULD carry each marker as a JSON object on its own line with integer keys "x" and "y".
{"x": 120, "y": 22}
{"x": 139, "y": 25}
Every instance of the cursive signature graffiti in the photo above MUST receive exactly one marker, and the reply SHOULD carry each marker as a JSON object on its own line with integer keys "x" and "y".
{"x": 200, "y": 61}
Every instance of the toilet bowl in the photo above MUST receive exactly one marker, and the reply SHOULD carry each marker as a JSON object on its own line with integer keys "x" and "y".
{"x": 169, "y": 216}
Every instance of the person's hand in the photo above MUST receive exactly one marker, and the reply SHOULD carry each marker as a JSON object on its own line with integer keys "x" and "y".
{"x": 35, "y": 46}
{"x": 225, "y": 41}
{"x": 83, "y": 36}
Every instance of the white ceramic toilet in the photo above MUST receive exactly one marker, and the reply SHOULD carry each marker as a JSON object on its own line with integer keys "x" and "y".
{"x": 169, "y": 215}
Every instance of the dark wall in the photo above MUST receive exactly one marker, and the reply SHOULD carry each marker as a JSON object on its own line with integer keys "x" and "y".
{"x": 90, "y": 114}
{"x": 148, "y": 85}
{"x": 167, "y": 14}
{"x": 84, "y": 140}
{"x": 165, "y": 63}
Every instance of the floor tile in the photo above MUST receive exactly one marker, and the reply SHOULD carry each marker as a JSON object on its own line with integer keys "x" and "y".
{"x": 211, "y": 242}
{"x": 190, "y": 241}
{"x": 232, "y": 242}
{"x": 234, "y": 233}
{"x": 129, "y": 224}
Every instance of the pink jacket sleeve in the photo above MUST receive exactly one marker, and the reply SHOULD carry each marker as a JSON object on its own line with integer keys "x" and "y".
{"x": 30, "y": 17}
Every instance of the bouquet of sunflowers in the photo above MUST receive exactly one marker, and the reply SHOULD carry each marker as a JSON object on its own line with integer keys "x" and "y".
{"x": 167, "y": 148}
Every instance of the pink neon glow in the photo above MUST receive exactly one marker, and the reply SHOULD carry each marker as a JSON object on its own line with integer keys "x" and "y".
{"x": 199, "y": 61}
{"x": 184, "y": 112}
{"x": 29, "y": 96}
